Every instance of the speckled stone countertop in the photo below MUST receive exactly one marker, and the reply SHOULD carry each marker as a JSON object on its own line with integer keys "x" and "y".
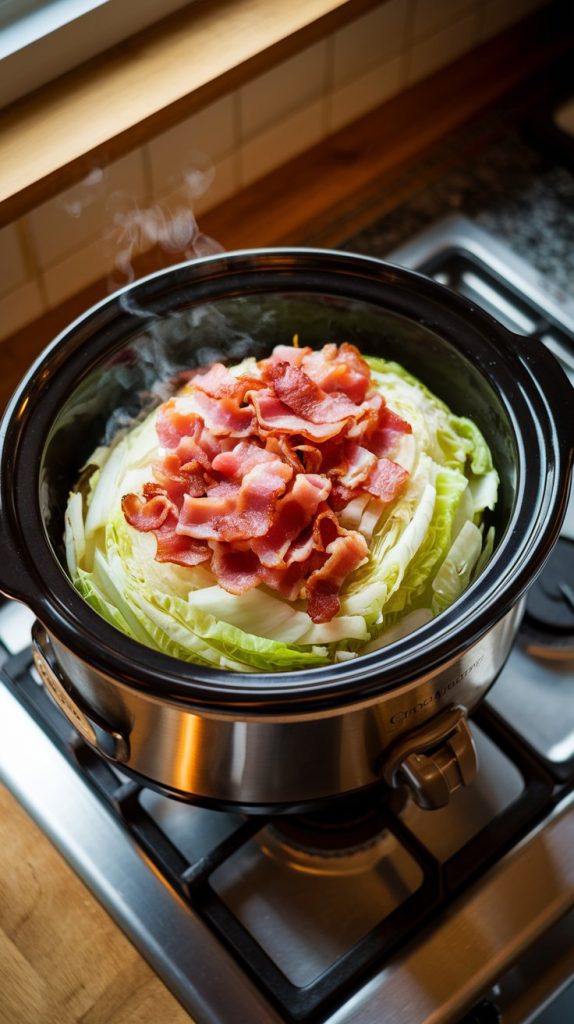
{"x": 511, "y": 189}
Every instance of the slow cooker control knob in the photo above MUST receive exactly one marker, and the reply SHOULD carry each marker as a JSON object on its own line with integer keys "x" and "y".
{"x": 434, "y": 760}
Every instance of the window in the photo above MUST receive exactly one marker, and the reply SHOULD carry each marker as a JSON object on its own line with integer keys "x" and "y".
{"x": 41, "y": 39}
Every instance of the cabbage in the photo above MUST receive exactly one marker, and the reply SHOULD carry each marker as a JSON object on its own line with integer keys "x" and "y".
{"x": 424, "y": 550}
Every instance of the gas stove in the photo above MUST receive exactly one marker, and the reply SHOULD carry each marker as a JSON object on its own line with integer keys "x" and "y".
{"x": 374, "y": 910}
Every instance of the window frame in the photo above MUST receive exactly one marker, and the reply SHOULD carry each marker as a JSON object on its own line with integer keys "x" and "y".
{"x": 42, "y": 39}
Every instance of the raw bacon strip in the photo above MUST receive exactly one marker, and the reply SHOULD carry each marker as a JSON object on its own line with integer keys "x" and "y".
{"x": 293, "y": 513}
{"x": 276, "y": 417}
{"x": 218, "y": 382}
{"x": 324, "y": 602}
{"x": 289, "y": 582}
{"x": 346, "y": 553}
{"x": 389, "y": 428}
{"x": 307, "y": 399}
{"x": 286, "y": 354}
{"x": 241, "y": 515}
{"x": 171, "y": 425}
{"x": 146, "y": 515}
{"x": 241, "y": 459}
{"x": 386, "y": 480}
{"x": 236, "y": 570}
{"x": 200, "y": 446}
{"x": 310, "y": 456}
{"x": 339, "y": 368}
{"x": 255, "y": 471}
{"x": 359, "y": 463}
{"x": 177, "y": 480}
{"x": 171, "y": 547}
{"x": 221, "y": 416}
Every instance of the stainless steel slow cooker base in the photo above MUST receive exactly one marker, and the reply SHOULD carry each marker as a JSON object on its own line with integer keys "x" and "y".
{"x": 416, "y": 736}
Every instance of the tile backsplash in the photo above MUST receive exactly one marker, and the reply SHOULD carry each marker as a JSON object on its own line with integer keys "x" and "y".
{"x": 74, "y": 239}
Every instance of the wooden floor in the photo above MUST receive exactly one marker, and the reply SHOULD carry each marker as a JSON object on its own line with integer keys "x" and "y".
{"x": 62, "y": 959}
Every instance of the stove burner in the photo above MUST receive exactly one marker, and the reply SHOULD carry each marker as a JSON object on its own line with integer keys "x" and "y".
{"x": 348, "y": 826}
{"x": 548, "y": 625}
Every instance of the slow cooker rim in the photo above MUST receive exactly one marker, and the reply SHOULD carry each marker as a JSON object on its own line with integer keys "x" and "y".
{"x": 251, "y": 688}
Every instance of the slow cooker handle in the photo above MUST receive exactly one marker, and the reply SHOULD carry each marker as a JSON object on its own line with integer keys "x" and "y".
{"x": 434, "y": 760}
{"x": 15, "y": 581}
{"x": 545, "y": 366}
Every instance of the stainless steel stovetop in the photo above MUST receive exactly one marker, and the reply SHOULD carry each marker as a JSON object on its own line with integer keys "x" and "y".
{"x": 389, "y": 914}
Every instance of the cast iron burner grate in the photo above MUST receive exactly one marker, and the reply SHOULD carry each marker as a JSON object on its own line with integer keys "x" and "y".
{"x": 544, "y": 786}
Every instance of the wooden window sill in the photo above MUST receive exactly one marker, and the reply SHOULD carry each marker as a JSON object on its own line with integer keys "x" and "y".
{"x": 120, "y": 99}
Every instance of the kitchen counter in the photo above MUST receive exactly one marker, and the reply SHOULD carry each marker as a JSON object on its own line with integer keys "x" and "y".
{"x": 511, "y": 189}
{"x": 61, "y": 957}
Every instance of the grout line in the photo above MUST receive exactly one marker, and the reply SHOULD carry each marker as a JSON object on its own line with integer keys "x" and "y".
{"x": 149, "y": 191}
{"x": 408, "y": 43}
{"x": 329, "y": 84}
{"x": 31, "y": 260}
{"x": 237, "y": 139}
{"x": 470, "y": 7}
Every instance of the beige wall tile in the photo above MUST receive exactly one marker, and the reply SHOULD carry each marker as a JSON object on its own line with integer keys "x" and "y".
{"x": 285, "y": 88}
{"x": 19, "y": 307}
{"x": 224, "y": 184}
{"x": 369, "y": 41}
{"x": 286, "y": 139}
{"x": 196, "y": 143}
{"x": 442, "y": 48}
{"x": 354, "y": 99}
{"x": 12, "y": 264}
{"x": 75, "y": 272}
{"x": 83, "y": 213}
{"x": 430, "y": 15}
{"x": 498, "y": 16}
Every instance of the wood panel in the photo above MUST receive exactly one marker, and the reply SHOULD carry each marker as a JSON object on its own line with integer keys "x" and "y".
{"x": 120, "y": 99}
{"x": 62, "y": 958}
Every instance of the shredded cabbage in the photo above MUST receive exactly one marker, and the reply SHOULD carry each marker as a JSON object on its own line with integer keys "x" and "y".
{"x": 424, "y": 550}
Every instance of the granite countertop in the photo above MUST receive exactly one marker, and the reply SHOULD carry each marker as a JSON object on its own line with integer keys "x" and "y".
{"x": 510, "y": 188}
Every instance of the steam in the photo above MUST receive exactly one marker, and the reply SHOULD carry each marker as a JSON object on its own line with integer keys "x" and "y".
{"x": 88, "y": 191}
{"x": 170, "y": 225}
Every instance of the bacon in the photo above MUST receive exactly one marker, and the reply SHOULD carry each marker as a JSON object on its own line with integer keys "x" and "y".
{"x": 199, "y": 446}
{"x": 236, "y": 570}
{"x": 340, "y": 369}
{"x": 218, "y": 382}
{"x": 177, "y": 480}
{"x": 389, "y": 428}
{"x": 254, "y": 472}
{"x": 286, "y": 354}
{"x": 241, "y": 459}
{"x": 275, "y": 417}
{"x": 386, "y": 480}
{"x": 358, "y": 464}
{"x": 242, "y": 514}
{"x": 172, "y": 547}
{"x": 307, "y": 399}
{"x": 346, "y": 553}
{"x": 171, "y": 425}
{"x": 293, "y": 513}
{"x": 221, "y": 416}
{"x": 146, "y": 515}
